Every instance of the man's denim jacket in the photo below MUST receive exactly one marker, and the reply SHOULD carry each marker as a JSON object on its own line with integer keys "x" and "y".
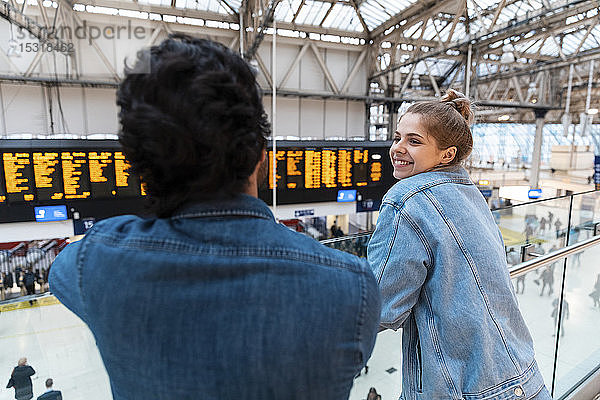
{"x": 439, "y": 259}
{"x": 220, "y": 302}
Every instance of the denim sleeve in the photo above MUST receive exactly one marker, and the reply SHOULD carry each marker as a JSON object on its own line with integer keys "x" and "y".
{"x": 65, "y": 278}
{"x": 398, "y": 256}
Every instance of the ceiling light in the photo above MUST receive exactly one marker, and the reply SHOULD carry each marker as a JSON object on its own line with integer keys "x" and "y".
{"x": 592, "y": 111}
{"x": 504, "y": 117}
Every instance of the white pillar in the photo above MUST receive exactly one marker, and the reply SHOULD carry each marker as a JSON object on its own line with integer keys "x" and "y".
{"x": 536, "y": 158}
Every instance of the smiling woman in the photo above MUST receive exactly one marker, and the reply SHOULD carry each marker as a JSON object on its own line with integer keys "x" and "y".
{"x": 439, "y": 260}
{"x": 432, "y": 135}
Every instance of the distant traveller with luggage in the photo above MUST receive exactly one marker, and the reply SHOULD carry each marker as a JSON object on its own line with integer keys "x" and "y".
{"x": 20, "y": 380}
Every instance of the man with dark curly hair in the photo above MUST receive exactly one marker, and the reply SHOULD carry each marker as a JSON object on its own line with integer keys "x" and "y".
{"x": 210, "y": 298}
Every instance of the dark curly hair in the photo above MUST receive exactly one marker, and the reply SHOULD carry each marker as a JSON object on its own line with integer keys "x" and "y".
{"x": 193, "y": 126}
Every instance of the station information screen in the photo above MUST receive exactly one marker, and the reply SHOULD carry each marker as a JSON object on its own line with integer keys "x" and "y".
{"x": 71, "y": 172}
{"x": 53, "y": 172}
{"x": 315, "y": 171}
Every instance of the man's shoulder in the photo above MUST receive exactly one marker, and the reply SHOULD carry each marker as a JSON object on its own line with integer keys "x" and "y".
{"x": 309, "y": 249}
{"x": 51, "y": 395}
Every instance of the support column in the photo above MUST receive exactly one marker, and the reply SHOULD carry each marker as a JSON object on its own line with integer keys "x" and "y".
{"x": 392, "y": 115}
{"x": 368, "y": 120}
{"x": 536, "y": 158}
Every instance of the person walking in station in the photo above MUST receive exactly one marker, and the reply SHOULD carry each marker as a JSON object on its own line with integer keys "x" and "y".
{"x": 50, "y": 393}
{"x": 221, "y": 301}
{"x": 440, "y": 262}
{"x": 20, "y": 380}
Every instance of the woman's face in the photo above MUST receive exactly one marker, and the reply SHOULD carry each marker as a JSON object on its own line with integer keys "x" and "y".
{"x": 413, "y": 150}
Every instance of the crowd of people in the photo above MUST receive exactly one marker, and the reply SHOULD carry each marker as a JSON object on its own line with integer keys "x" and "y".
{"x": 25, "y": 280}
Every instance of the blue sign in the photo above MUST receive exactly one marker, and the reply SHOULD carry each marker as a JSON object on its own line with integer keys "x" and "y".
{"x": 534, "y": 193}
{"x": 346, "y": 196}
{"x": 81, "y": 226}
{"x": 487, "y": 193}
{"x": 304, "y": 213}
{"x": 597, "y": 172}
{"x": 368, "y": 205}
{"x": 50, "y": 213}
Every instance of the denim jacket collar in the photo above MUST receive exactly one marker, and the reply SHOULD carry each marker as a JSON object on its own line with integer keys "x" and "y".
{"x": 242, "y": 205}
{"x": 455, "y": 173}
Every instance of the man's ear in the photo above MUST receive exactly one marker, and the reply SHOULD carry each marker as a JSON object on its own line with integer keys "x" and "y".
{"x": 448, "y": 155}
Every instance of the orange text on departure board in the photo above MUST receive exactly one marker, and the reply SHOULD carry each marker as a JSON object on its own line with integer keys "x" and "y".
{"x": 280, "y": 157}
{"x": 345, "y": 167}
{"x": 98, "y": 163}
{"x": 44, "y": 165}
{"x": 121, "y": 170}
{"x": 312, "y": 169}
{"x": 376, "y": 168}
{"x": 73, "y": 164}
{"x": 361, "y": 158}
{"x": 16, "y": 182}
{"x": 294, "y": 157}
{"x": 329, "y": 169}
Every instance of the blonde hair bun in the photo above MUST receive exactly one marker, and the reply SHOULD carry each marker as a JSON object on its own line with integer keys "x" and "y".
{"x": 460, "y": 104}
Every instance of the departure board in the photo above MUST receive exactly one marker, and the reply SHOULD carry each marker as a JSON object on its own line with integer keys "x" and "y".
{"x": 295, "y": 169}
{"x": 102, "y": 174}
{"x": 314, "y": 168}
{"x": 316, "y": 171}
{"x": 360, "y": 165}
{"x": 127, "y": 183}
{"x": 76, "y": 174}
{"x": 18, "y": 175}
{"x": 280, "y": 171}
{"x": 47, "y": 173}
{"x": 2, "y": 186}
{"x": 345, "y": 167}
{"x": 328, "y": 168}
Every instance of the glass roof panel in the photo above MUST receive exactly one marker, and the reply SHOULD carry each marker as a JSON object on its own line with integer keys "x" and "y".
{"x": 312, "y": 13}
{"x": 549, "y": 48}
{"x": 286, "y": 9}
{"x": 430, "y": 32}
{"x": 376, "y": 12}
{"x": 507, "y": 13}
{"x": 343, "y": 17}
{"x": 592, "y": 40}
{"x": 570, "y": 42}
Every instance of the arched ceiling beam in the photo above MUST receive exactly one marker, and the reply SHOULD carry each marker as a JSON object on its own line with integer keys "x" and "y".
{"x": 549, "y": 20}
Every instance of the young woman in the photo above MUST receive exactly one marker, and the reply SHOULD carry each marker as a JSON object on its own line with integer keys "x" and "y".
{"x": 440, "y": 263}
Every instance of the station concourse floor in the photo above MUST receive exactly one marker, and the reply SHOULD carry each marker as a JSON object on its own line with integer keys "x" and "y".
{"x": 59, "y": 346}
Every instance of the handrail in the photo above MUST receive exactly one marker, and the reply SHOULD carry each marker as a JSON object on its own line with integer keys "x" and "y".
{"x": 347, "y": 237}
{"x": 546, "y": 259}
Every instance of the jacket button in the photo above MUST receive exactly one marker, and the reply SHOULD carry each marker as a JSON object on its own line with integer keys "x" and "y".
{"x": 518, "y": 391}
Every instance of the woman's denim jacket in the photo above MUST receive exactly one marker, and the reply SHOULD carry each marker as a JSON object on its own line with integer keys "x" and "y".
{"x": 439, "y": 260}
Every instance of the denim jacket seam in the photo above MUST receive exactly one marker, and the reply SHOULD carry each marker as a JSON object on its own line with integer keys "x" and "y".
{"x": 397, "y": 217}
{"x": 400, "y": 212}
{"x": 470, "y": 262}
{"x": 423, "y": 187}
{"x": 404, "y": 213}
{"x": 361, "y": 316}
{"x": 438, "y": 349}
{"x": 145, "y": 244}
{"x": 505, "y": 386}
{"x": 219, "y": 213}
{"x": 80, "y": 264}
